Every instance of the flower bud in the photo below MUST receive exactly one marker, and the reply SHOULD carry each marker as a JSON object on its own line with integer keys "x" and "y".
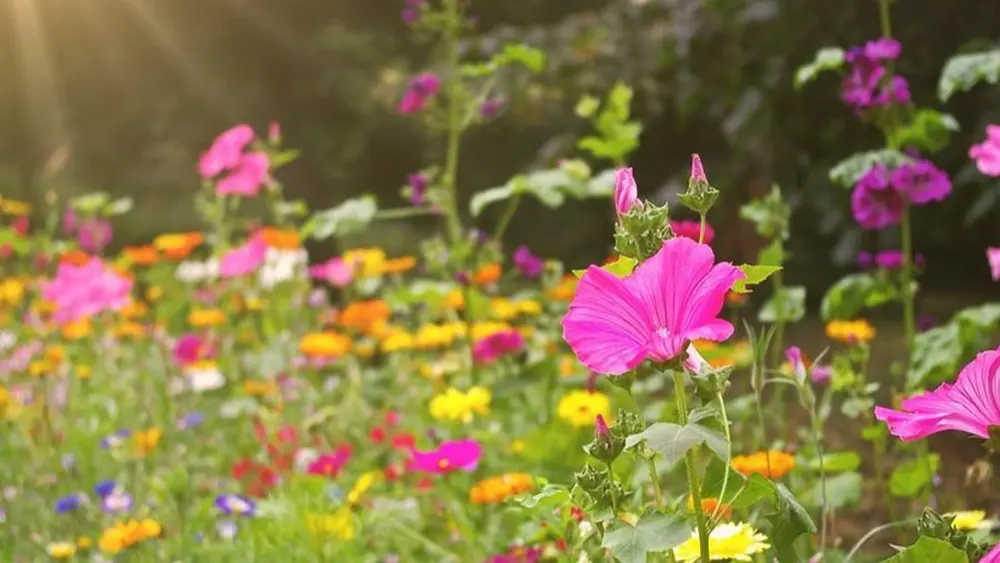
{"x": 626, "y": 191}
{"x": 697, "y": 171}
{"x": 601, "y": 430}
{"x": 700, "y": 196}
{"x": 606, "y": 446}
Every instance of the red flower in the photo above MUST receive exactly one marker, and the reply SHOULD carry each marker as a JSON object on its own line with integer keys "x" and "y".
{"x": 405, "y": 441}
{"x": 377, "y": 435}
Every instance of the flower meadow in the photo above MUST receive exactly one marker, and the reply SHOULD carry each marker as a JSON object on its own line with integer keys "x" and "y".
{"x": 261, "y": 389}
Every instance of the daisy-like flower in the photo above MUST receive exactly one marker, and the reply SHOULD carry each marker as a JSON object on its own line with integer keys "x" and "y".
{"x": 969, "y": 520}
{"x": 235, "y": 505}
{"x": 727, "y": 542}
{"x": 772, "y": 464}
{"x": 61, "y": 550}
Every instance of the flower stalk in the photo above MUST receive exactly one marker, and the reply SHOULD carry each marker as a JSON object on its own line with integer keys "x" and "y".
{"x": 690, "y": 459}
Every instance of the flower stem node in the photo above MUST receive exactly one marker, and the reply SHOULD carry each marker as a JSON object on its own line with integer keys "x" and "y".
{"x": 606, "y": 445}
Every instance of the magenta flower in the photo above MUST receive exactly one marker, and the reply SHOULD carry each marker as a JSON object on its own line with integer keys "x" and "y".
{"x": 691, "y": 230}
{"x": 411, "y": 13}
{"x": 993, "y": 256}
{"x": 971, "y": 404}
{"x": 529, "y": 265}
{"x": 674, "y": 297}
{"x": 69, "y": 221}
{"x": 247, "y": 177}
{"x": 335, "y": 271}
{"x": 191, "y": 348}
{"x": 697, "y": 170}
{"x": 866, "y": 85}
{"x": 418, "y": 188}
{"x": 993, "y": 556}
{"x": 330, "y": 465}
{"x": 794, "y": 356}
{"x": 82, "y": 291}
{"x": 243, "y": 260}
{"x": 450, "y": 456}
{"x": 921, "y": 181}
{"x": 487, "y": 350}
{"x": 421, "y": 90}
{"x": 883, "y": 49}
{"x": 626, "y": 191}
{"x": 225, "y": 152}
{"x": 490, "y": 108}
{"x": 887, "y": 260}
{"x": 876, "y": 202}
{"x": 987, "y": 153}
{"x": 94, "y": 234}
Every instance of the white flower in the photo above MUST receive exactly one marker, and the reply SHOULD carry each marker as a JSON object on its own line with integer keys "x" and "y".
{"x": 7, "y": 340}
{"x": 584, "y": 558}
{"x": 586, "y": 528}
{"x": 193, "y": 271}
{"x": 204, "y": 376}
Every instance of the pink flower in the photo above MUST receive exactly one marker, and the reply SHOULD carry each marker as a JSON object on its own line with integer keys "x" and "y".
{"x": 876, "y": 202}
{"x": 247, "y": 177}
{"x": 691, "y": 230}
{"x": 335, "y": 271}
{"x": 971, "y": 404}
{"x": 993, "y": 256}
{"x": 794, "y": 356}
{"x": 987, "y": 153}
{"x": 94, "y": 234}
{"x": 329, "y": 465}
{"x": 421, "y": 90}
{"x": 190, "y": 348}
{"x": 626, "y": 191}
{"x": 529, "y": 265}
{"x": 697, "y": 170}
{"x": 921, "y": 181}
{"x": 993, "y": 556}
{"x": 243, "y": 260}
{"x": 601, "y": 430}
{"x": 82, "y": 291}
{"x": 449, "y": 456}
{"x": 69, "y": 221}
{"x": 487, "y": 350}
{"x": 674, "y": 297}
{"x": 274, "y": 132}
{"x": 225, "y": 152}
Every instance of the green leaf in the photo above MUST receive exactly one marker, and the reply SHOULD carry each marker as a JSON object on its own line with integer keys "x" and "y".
{"x": 17, "y": 243}
{"x": 929, "y": 550}
{"x": 848, "y": 171}
{"x": 788, "y": 305}
{"x": 652, "y": 534}
{"x": 518, "y": 53}
{"x": 837, "y": 462}
{"x": 827, "y": 58}
{"x": 587, "y": 106}
{"x": 672, "y": 441}
{"x": 484, "y": 198}
{"x": 854, "y": 293}
{"x": 549, "y": 497}
{"x": 929, "y": 130}
{"x": 285, "y": 157}
{"x": 754, "y": 275}
{"x": 119, "y": 206}
{"x": 841, "y": 490}
{"x": 772, "y": 254}
{"x": 621, "y": 267}
{"x": 349, "y": 217}
{"x": 962, "y": 72}
{"x": 935, "y": 356}
{"x": 910, "y": 477}
{"x": 90, "y": 203}
{"x": 741, "y": 493}
{"x": 789, "y": 522}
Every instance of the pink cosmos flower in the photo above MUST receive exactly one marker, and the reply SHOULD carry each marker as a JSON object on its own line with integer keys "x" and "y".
{"x": 450, "y": 456}
{"x": 993, "y": 256}
{"x": 971, "y": 404}
{"x": 671, "y": 299}
{"x": 329, "y": 465}
{"x": 876, "y": 202}
{"x": 987, "y": 153}
{"x": 421, "y": 90}
{"x": 246, "y": 177}
{"x": 225, "y": 152}
{"x": 488, "y": 350}
{"x": 993, "y": 556}
{"x": 94, "y": 234}
{"x": 691, "y": 230}
{"x": 82, "y": 291}
{"x": 626, "y": 191}
{"x": 921, "y": 181}
{"x": 191, "y": 348}
{"x": 243, "y": 260}
{"x": 335, "y": 271}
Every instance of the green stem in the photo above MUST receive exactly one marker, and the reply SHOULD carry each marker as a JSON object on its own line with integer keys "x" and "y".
{"x": 909, "y": 321}
{"x": 729, "y": 452}
{"x": 690, "y": 459}
{"x": 765, "y": 446}
{"x": 654, "y": 475}
{"x": 817, "y": 431}
{"x": 701, "y": 228}
{"x": 402, "y": 213}
{"x": 885, "y": 21}
{"x": 508, "y": 214}
{"x": 614, "y": 499}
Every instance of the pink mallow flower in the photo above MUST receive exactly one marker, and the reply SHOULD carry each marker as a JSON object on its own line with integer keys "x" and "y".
{"x": 243, "y": 260}
{"x": 675, "y": 297}
{"x": 247, "y": 177}
{"x": 993, "y": 256}
{"x": 450, "y": 456}
{"x": 487, "y": 350}
{"x": 993, "y": 556}
{"x": 971, "y": 404}
{"x": 691, "y": 230}
{"x": 421, "y": 90}
{"x": 876, "y": 201}
{"x": 82, "y": 291}
{"x": 921, "y": 181}
{"x": 987, "y": 153}
{"x": 626, "y": 191}
{"x": 94, "y": 234}
{"x": 226, "y": 151}
{"x": 335, "y": 271}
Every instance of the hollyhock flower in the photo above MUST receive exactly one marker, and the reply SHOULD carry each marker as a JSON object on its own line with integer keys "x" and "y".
{"x": 993, "y": 256}
{"x": 243, "y": 260}
{"x": 449, "y": 456}
{"x": 418, "y": 188}
{"x": 626, "y": 191}
{"x": 692, "y": 230}
{"x": 487, "y": 350}
{"x": 971, "y": 404}
{"x": 247, "y": 177}
{"x": 529, "y": 265}
{"x": 921, "y": 181}
{"x": 82, "y": 291}
{"x": 329, "y": 465}
{"x": 883, "y": 49}
{"x": 697, "y": 170}
{"x": 671, "y": 299}
{"x": 876, "y": 202}
{"x": 987, "y": 153}
{"x": 421, "y": 90}
{"x": 993, "y": 556}
{"x": 335, "y": 271}
{"x": 226, "y": 151}
{"x": 94, "y": 234}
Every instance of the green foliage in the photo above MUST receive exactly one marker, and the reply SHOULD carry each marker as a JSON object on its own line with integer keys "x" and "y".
{"x": 928, "y": 130}
{"x": 787, "y": 305}
{"x": 827, "y": 58}
{"x": 769, "y": 214}
{"x": 912, "y": 476}
{"x": 512, "y": 54}
{"x": 938, "y": 353}
{"x": 621, "y": 267}
{"x": 855, "y": 293}
{"x": 617, "y": 135}
{"x": 653, "y": 533}
{"x": 673, "y": 441}
{"x": 837, "y": 462}
{"x": 842, "y": 490}
{"x": 928, "y": 550}
{"x": 847, "y": 172}
{"x": 551, "y": 186}
{"x": 755, "y": 274}
{"x": 788, "y": 522}
{"x": 349, "y": 217}
{"x": 962, "y": 72}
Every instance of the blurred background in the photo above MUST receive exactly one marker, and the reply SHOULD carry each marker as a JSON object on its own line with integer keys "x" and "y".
{"x": 129, "y": 92}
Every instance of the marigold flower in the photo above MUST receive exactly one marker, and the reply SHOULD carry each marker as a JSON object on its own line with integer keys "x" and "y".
{"x": 146, "y": 440}
{"x": 850, "y": 332}
{"x": 141, "y": 255}
{"x": 772, "y": 464}
{"x": 369, "y": 317}
{"x": 488, "y": 274}
{"x": 178, "y": 246}
{"x": 324, "y": 345}
{"x": 496, "y": 490}
{"x": 281, "y": 239}
{"x": 399, "y": 265}
{"x": 735, "y": 542}
{"x": 709, "y": 506}
{"x": 580, "y": 408}
{"x": 204, "y": 318}
{"x": 11, "y": 291}
{"x": 123, "y": 534}
{"x": 459, "y": 406}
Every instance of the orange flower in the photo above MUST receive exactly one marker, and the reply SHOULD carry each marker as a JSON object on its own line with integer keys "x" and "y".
{"x": 772, "y": 464}
{"x": 495, "y": 490}
{"x": 708, "y": 505}
{"x": 130, "y": 329}
{"x": 258, "y": 388}
{"x": 399, "y": 265}
{"x": 141, "y": 255}
{"x": 564, "y": 290}
{"x": 488, "y": 274}
{"x": 146, "y": 440}
{"x": 324, "y": 344}
{"x": 369, "y": 317}
{"x": 282, "y": 239}
{"x": 178, "y": 246}
{"x": 74, "y": 257}
{"x": 455, "y": 299}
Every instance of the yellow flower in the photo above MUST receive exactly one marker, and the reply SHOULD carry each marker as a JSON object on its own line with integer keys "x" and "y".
{"x": 61, "y": 550}
{"x": 84, "y": 372}
{"x": 517, "y": 446}
{"x": 458, "y": 406}
{"x": 736, "y": 542}
{"x": 369, "y": 317}
{"x": 258, "y": 388}
{"x": 55, "y": 354}
{"x": 203, "y": 318}
{"x": 506, "y": 309}
{"x": 580, "y": 408}
{"x": 134, "y": 330}
{"x": 339, "y": 524}
{"x": 123, "y": 535}
{"x": 177, "y": 246}
{"x": 154, "y": 293}
{"x": 397, "y": 339}
{"x": 368, "y": 262}
{"x": 361, "y": 486}
{"x": 11, "y": 291}
{"x": 75, "y": 330}
{"x": 431, "y": 336}
{"x": 969, "y": 520}
{"x": 83, "y": 542}
{"x": 850, "y": 332}
{"x": 14, "y": 207}
{"x": 324, "y": 344}
{"x": 146, "y": 440}
{"x": 485, "y": 329}
{"x": 772, "y": 464}
{"x": 133, "y": 310}
{"x": 443, "y": 365}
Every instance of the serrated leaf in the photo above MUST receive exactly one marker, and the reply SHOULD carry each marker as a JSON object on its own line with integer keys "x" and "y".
{"x": 853, "y": 294}
{"x": 673, "y": 441}
{"x": 651, "y": 534}
{"x": 929, "y": 550}
{"x": 847, "y": 172}
{"x": 755, "y": 274}
{"x": 549, "y": 496}
{"x": 827, "y": 58}
{"x": 621, "y": 267}
{"x": 962, "y": 72}
{"x": 349, "y": 217}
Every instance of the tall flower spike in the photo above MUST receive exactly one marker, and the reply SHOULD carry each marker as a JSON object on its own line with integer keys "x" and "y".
{"x": 671, "y": 299}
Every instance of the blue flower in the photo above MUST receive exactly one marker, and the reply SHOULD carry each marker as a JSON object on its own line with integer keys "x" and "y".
{"x": 69, "y": 503}
{"x": 116, "y": 439}
{"x": 190, "y": 420}
{"x": 235, "y": 504}
{"x": 105, "y": 488}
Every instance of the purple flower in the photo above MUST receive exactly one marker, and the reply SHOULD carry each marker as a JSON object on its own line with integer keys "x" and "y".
{"x": 94, "y": 234}
{"x": 411, "y": 13}
{"x": 876, "y": 202}
{"x": 529, "y": 265}
{"x": 488, "y": 350}
{"x": 883, "y": 49}
{"x": 235, "y": 504}
{"x": 105, "y": 488}
{"x": 69, "y": 503}
{"x": 867, "y": 84}
{"x": 921, "y": 181}
{"x": 490, "y": 108}
{"x": 418, "y": 188}
{"x": 865, "y": 260}
{"x": 116, "y": 501}
{"x": 421, "y": 90}
{"x": 925, "y": 322}
{"x": 116, "y": 439}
